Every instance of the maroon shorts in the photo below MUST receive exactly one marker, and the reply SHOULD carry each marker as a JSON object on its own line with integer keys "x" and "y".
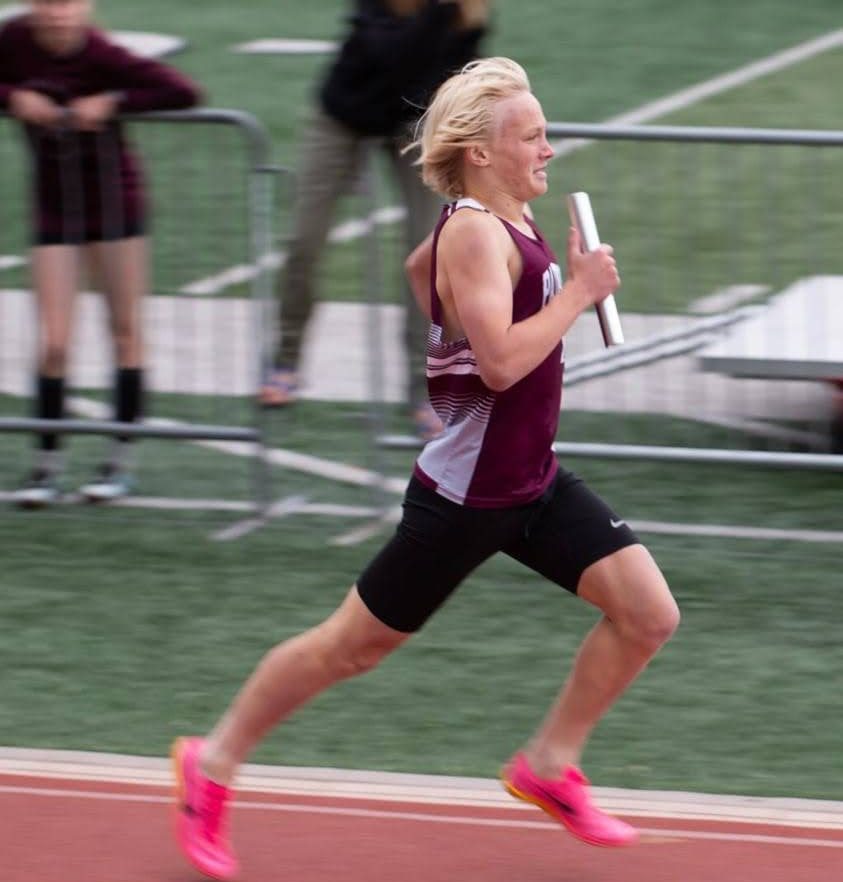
{"x": 87, "y": 188}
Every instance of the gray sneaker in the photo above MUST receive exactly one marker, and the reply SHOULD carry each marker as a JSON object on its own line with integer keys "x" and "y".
{"x": 110, "y": 483}
{"x": 38, "y": 491}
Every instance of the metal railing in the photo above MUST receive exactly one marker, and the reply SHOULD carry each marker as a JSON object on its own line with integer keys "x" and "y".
{"x": 716, "y": 232}
{"x": 212, "y": 191}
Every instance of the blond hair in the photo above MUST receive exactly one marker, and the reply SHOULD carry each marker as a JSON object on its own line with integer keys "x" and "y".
{"x": 460, "y": 115}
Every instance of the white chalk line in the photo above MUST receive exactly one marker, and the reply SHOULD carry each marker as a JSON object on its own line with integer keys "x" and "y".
{"x": 657, "y": 833}
{"x": 420, "y": 789}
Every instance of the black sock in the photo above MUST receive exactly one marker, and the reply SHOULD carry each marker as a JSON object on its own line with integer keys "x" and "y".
{"x": 128, "y": 396}
{"x": 49, "y": 405}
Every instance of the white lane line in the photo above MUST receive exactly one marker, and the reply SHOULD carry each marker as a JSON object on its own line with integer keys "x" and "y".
{"x": 420, "y": 789}
{"x": 727, "y": 531}
{"x": 424, "y": 817}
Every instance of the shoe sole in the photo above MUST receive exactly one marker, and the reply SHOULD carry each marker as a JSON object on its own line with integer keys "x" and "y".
{"x": 551, "y": 810}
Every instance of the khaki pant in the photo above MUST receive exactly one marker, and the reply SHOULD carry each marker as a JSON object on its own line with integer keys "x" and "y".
{"x": 332, "y": 160}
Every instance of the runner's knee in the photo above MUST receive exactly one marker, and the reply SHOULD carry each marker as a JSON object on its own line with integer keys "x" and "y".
{"x": 652, "y": 624}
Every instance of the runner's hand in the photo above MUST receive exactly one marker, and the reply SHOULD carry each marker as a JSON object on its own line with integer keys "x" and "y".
{"x": 594, "y": 272}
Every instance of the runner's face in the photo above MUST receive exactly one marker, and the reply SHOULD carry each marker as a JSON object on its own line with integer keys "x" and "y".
{"x": 518, "y": 146}
{"x": 60, "y": 24}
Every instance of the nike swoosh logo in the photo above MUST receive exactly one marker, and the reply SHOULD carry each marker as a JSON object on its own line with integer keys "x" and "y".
{"x": 617, "y": 524}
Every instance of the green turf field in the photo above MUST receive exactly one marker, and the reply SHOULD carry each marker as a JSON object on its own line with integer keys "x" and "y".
{"x": 140, "y": 637}
{"x": 149, "y": 625}
{"x": 123, "y": 628}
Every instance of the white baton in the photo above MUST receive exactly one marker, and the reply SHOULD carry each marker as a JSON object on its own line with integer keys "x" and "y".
{"x": 582, "y": 217}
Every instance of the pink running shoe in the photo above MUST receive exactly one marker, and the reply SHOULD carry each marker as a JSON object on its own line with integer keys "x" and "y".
{"x": 567, "y": 800}
{"x": 201, "y": 813}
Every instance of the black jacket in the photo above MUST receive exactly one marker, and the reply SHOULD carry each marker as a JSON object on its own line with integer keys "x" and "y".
{"x": 389, "y": 66}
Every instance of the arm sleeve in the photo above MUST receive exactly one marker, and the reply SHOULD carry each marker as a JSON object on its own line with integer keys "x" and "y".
{"x": 143, "y": 84}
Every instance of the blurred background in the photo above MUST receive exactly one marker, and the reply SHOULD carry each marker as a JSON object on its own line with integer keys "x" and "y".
{"x": 125, "y": 625}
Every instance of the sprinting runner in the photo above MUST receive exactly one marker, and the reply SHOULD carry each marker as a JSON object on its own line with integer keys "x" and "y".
{"x": 490, "y": 482}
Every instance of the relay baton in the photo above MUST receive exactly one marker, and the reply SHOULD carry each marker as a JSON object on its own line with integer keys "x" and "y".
{"x": 582, "y": 217}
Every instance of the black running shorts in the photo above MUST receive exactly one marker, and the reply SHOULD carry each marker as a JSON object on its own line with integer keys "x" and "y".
{"x": 438, "y": 543}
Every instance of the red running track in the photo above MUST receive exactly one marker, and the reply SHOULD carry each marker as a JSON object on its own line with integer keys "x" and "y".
{"x": 54, "y": 830}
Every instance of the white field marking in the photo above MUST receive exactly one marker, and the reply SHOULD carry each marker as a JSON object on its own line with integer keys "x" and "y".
{"x": 280, "y": 509}
{"x": 730, "y": 531}
{"x": 657, "y": 833}
{"x": 148, "y": 45}
{"x": 166, "y": 503}
{"x": 245, "y": 272}
{"x": 282, "y": 46}
{"x": 155, "y": 503}
{"x": 367, "y": 531}
{"x": 235, "y": 275}
{"x": 715, "y": 86}
{"x": 299, "y": 505}
{"x": 312, "y": 465}
{"x": 422, "y": 789}
{"x": 11, "y": 261}
{"x": 645, "y": 113}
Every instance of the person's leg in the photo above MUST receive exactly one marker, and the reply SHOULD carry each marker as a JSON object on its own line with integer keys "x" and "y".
{"x": 436, "y": 544}
{"x": 330, "y": 159}
{"x": 54, "y": 279}
{"x": 349, "y": 642}
{"x": 639, "y": 616}
{"x": 54, "y": 275}
{"x": 121, "y": 266}
{"x": 579, "y": 543}
{"x": 423, "y": 208}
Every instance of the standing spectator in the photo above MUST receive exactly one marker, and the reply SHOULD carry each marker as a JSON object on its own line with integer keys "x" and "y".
{"x": 67, "y": 82}
{"x": 395, "y": 55}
